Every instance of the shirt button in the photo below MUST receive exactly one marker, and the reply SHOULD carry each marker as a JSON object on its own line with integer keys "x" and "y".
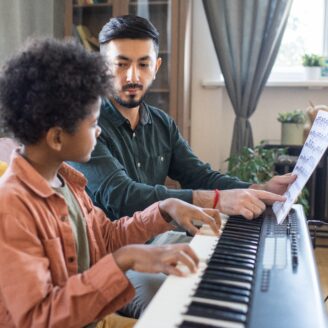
{"x": 139, "y": 164}
{"x": 134, "y": 134}
{"x": 71, "y": 259}
{"x": 162, "y": 158}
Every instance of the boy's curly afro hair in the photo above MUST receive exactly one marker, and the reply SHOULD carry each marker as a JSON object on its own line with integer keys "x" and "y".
{"x": 50, "y": 83}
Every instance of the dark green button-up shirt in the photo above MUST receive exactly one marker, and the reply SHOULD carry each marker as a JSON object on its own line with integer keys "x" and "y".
{"x": 127, "y": 169}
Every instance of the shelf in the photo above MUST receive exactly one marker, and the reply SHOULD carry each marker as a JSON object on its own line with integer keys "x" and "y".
{"x": 94, "y": 5}
{"x": 147, "y": 3}
{"x": 158, "y": 90}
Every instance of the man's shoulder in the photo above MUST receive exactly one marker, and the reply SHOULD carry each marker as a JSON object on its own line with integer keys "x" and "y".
{"x": 158, "y": 114}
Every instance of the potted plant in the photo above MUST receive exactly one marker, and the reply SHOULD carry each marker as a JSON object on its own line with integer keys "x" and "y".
{"x": 258, "y": 166}
{"x": 292, "y": 127}
{"x": 312, "y": 64}
{"x": 254, "y": 165}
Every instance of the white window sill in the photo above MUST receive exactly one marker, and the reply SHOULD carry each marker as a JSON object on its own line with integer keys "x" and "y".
{"x": 310, "y": 84}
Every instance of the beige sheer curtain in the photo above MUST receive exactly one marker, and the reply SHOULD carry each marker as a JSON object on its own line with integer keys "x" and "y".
{"x": 20, "y": 19}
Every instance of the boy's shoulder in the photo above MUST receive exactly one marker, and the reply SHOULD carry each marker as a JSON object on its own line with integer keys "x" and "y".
{"x": 13, "y": 193}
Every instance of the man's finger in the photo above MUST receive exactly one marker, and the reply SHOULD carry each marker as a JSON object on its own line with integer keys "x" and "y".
{"x": 247, "y": 214}
{"x": 257, "y": 211}
{"x": 258, "y": 203}
{"x": 269, "y": 196}
{"x": 286, "y": 178}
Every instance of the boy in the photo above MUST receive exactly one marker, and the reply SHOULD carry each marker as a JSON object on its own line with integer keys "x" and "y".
{"x": 62, "y": 261}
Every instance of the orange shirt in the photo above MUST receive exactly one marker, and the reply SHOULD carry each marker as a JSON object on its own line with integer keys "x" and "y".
{"x": 39, "y": 282}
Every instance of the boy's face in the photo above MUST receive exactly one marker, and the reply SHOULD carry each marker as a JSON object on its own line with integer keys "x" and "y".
{"x": 134, "y": 64}
{"x": 78, "y": 146}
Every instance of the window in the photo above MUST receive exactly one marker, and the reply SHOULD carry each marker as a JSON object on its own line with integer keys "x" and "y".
{"x": 305, "y": 33}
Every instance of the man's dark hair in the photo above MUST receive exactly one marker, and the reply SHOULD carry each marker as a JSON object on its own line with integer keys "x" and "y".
{"x": 50, "y": 83}
{"x": 129, "y": 27}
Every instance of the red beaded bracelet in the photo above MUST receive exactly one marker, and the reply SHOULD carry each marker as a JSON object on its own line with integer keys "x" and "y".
{"x": 216, "y": 197}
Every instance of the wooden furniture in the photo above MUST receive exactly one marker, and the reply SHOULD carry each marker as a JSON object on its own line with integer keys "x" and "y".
{"x": 171, "y": 89}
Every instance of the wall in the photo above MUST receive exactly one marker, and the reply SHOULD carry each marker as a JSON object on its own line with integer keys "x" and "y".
{"x": 20, "y": 19}
{"x": 212, "y": 116}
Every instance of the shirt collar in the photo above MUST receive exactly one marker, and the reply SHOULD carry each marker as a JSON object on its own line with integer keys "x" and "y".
{"x": 118, "y": 119}
{"x": 31, "y": 178}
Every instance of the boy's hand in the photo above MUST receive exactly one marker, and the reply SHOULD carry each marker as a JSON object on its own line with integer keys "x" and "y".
{"x": 184, "y": 214}
{"x": 154, "y": 259}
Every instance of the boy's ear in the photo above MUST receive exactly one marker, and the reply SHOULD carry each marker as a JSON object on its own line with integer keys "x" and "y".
{"x": 54, "y": 138}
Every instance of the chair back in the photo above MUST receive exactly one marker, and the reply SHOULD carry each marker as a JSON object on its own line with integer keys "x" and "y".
{"x": 7, "y": 145}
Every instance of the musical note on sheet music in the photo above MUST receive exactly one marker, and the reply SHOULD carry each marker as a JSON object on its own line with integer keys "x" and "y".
{"x": 312, "y": 151}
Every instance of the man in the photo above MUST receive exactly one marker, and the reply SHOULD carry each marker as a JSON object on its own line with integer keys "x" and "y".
{"x": 140, "y": 145}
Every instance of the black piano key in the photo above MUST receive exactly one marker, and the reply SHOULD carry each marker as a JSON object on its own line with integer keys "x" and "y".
{"x": 236, "y": 248}
{"x": 235, "y": 258}
{"x": 225, "y": 287}
{"x": 233, "y": 263}
{"x": 190, "y": 324}
{"x": 215, "y": 295}
{"x": 240, "y": 238}
{"x": 243, "y": 228}
{"x": 215, "y": 312}
{"x": 228, "y": 276}
{"x": 257, "y": 221}
{"x": 222, "y": 251}
{"x": 242, "y": 233}
{"x": 243, "y": 222}
{"x": 239, "y": 232}
{"x": 225, "y": 241}
{"x": 229, "y": 269}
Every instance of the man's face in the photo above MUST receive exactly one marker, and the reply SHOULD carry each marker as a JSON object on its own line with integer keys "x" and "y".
{"x": 134, "y": 64}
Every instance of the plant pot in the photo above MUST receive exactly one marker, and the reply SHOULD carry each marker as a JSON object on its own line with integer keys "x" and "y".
{"x": 292, "y": 133}
{"x": 312, "y": 72}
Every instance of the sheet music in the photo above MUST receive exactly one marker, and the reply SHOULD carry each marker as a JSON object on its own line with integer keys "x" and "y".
{"x": 312, "y": 151}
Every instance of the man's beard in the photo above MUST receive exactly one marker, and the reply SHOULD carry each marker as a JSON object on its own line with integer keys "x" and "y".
{"x": 131, "y": 103}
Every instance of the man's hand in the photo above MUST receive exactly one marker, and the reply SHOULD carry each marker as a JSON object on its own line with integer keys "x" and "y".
{"x": 154, "y": 259}
{"x": 278, "y": 184}
{"x": 184, "y": 214}
{"x": 249, "y": 203}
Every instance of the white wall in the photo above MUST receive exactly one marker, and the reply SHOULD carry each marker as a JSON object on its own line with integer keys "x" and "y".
{"x": 212, "y": 116}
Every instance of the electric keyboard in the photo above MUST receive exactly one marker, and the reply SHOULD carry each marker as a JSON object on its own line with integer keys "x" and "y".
{"x": 256, "y": 274}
